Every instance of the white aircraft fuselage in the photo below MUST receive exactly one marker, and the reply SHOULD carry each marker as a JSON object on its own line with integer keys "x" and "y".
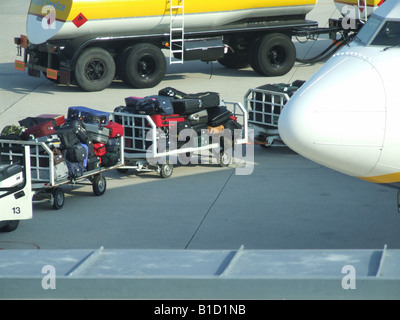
{"x": 347, "y": 116}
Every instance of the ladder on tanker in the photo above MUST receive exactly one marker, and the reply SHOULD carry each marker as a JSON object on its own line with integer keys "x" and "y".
{"x": 362, "y": 8}
{"x": 177, "y": 31}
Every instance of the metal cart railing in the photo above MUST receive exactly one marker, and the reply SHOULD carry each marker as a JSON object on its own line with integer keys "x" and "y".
{"x": 264, "y": 108}
{"x": 152, "y": 148}
{"x": 46, "y": 185}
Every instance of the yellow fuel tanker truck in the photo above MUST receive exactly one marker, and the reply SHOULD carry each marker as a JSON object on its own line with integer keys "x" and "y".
{"x": 91, "y": 42}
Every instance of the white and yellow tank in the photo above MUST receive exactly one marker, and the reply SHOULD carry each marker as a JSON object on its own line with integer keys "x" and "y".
{"x": 66, "y": 19}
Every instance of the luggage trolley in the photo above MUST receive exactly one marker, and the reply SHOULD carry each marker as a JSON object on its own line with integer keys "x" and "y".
{"x": 264, "y": 106}
{"x": 149, "y": 148}
{"x": 45, "y": 176}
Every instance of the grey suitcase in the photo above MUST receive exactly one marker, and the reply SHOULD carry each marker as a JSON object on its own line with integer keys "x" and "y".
{"x": 98, "y": 132}
{"x": 200, "y": 117}
{"x": 53, "y": 141}
{"x": 61, "y": 171}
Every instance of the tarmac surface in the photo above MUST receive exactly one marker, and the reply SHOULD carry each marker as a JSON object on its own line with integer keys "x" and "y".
{"x": 287, "y": 202}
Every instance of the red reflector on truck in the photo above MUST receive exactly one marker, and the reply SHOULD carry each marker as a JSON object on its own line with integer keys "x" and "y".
{"x": 19, "y": 65}
{"x": 51, "y": 74}
{"x": 24, "y": 41}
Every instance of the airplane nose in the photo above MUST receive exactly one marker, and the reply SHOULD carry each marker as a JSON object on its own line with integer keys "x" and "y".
{"x": 337, "y": 118}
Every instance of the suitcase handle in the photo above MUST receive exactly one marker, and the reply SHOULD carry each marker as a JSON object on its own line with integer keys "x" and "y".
{"x": 171, "y": 117}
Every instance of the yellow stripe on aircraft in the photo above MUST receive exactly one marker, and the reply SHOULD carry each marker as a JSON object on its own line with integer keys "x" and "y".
{"x": 386, "y": 178}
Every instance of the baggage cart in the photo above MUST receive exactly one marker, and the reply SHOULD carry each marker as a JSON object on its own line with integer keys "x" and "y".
{"x": 152, "y": 148}
{"x": 264, "y": 108}
{"x": 45, "y": 184}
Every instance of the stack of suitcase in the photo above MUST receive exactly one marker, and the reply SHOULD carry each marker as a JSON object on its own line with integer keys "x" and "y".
{"x": 84, "y": 141}
{"x": 264, "y": 104}
{"x": 94, "y": 130}
{"x": 189, "y": 111}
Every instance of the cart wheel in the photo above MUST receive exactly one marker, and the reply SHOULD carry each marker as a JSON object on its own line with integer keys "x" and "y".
{"x": 166, "y": 170}
{"x": 99, "y": 185}
{"x": 265, "y": 146}
{"x": 225, "y": 158}
{"x": 10, "y": 226}
{"x": 57, "y": 198}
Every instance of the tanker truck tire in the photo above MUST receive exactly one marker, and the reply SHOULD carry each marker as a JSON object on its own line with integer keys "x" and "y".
{"x": 95, "y": 69}
{"x": 273, "y": 55}
{"x": 144, "y": 66}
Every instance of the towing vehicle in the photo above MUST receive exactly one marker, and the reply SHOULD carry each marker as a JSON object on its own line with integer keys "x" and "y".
{"x": 15, "y": 189}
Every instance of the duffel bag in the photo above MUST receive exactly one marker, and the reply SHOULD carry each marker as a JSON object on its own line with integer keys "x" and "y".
{"x": 109, "y": 159}
{"x": 78, "y": 153}
{"x": 152, "y": 105}
{"x": 75, "y": 169}
{"x": 12, "y": 130}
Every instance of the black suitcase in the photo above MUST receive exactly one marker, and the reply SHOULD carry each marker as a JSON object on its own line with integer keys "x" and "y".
{"x": 113, "y": 145}
{"x": 67, "y": 137}
{"x": 56, "y": 119}
{"x": 218, "y": 116}
{"x": 80, "y": 129}
{"x": 187, "y": 106}
{"x": 197, "y": 118}
{"x": 182, "y": 125}
{"x": 232, "y": 125}
{"x": 89, "y": 143}
{"x": 33, "y": 121}
{"x": 93, "y": 163}
{"x": 208, "y": 98}
{"x": 172, "y": 92}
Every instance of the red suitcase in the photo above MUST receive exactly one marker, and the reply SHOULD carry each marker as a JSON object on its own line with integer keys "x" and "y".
{"x": 162, "y": 120}
{"x": 116, "y": 129}
{"x": 59, "y": 118}
{"x": 40, "y": 130}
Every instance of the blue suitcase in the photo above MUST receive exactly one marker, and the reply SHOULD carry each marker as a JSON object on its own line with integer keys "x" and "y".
{"x": 88, "y": 115}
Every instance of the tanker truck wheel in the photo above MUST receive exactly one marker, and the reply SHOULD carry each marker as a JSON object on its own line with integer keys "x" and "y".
{"x": 273, "y": 55}
{"x": 95, "y": 69}
{"x": 145, "y": 66}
